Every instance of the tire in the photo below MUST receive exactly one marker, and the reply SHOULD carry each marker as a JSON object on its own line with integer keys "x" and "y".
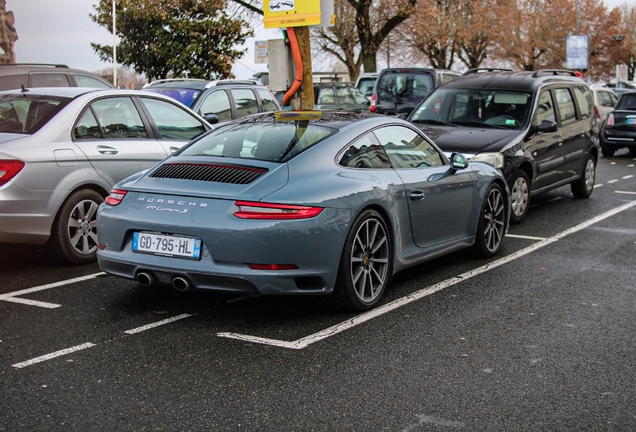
{"x": 74, "y": 232}
{"x": 583, "y": 187}
{"x": 365, "y": 264}
{"x": 492, "y": 223}
{"x": 607, "y": 150}
{"x": 520, "y": 197}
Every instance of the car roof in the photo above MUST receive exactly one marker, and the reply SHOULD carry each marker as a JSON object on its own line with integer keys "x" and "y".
{"x": 198, "y": 84}
{"x": 15, "y": 68}
{"x": 514, "y": 80}
{"x": 71, "y": 92}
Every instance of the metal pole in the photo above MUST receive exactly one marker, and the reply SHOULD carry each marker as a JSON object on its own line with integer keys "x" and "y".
{"x": 618, "y": 39}
{"x": 114, "y": 48}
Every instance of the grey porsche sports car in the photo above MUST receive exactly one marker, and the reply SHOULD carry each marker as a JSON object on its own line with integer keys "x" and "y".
{"x": 315, "y": 203}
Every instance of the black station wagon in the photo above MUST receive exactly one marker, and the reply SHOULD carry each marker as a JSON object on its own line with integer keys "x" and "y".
{"x": 538, "y": 128}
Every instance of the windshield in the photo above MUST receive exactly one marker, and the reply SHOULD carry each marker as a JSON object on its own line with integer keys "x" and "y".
{"x": 473, "y": 107}
{"x": 25, "y": 113}
{"x": 627, "y": 102}
{"x": 274, "y": 142}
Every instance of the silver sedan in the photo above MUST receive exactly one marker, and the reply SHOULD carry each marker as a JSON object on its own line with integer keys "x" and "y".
{"x": 62, "y": 150}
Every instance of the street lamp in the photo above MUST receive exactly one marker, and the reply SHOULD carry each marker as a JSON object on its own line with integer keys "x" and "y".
{"x": 618, "y": 39}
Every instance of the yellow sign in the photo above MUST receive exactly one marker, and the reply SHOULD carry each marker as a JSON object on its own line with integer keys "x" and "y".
{"x": 291, "y": 13}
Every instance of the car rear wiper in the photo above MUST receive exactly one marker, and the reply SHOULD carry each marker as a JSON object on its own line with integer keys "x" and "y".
{"x": 435, "y": 122}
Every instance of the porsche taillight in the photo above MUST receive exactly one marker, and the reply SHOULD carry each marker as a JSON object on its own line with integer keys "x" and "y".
{"x": 268, "y": 211}
{"x": 9, "y": 169}
{"x": 116, "y": 196}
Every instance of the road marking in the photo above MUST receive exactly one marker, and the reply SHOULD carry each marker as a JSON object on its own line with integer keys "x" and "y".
{"x": 625, "y": 192}
{"x": 598, "y": 185}
{"x": 627, "y": 177}
{"x": 157, "y": 324}
{"x": 54, "y": 355}
{"x": 381, "y": 310}
{"x": 11, "y": 297}
{"x": 612, "y": 181}
{"x": 525, "y": 237}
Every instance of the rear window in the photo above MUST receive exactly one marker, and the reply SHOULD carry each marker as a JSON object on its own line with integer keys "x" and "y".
{"x": 185, "y": 96}
{"x": 274, "y": 142}
{"x": 402, "y": 87}
{"x": 627, "y": 102}
{"x": 24, "y": 113}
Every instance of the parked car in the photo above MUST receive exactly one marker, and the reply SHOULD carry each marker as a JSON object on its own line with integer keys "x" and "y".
{"x": 399, "y": 90}
{"x": 29, "y": 75}
{"x": 313, "y": 203}
{"x": 620, "y": 129}
{"x": 61, "y": 151}
{"x": 336, "y": 96}
{"x": 538, "y": 128}
{"x": 218, "y": 101}
{"x": 604, "y": 102}
{"x": 365, "y": 83}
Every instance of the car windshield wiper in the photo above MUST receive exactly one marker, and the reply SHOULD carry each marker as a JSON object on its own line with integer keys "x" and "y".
{"x": 477, "y": 124}
{"x": 435, "y": 122}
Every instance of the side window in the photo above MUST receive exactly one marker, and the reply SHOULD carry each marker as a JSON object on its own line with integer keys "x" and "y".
{"x": 119, "y": 118}
{"x": 49, "y": 80}
{"x": 407, "y": 149}
{"x": 614, "y": 97}
{"x": 267, "y": 99}
{"x": 545, "y": 109}
{"x": 585, "y": 101}
{"x": 88, "y": 81}
{"x": 173, "y": 122}
{"x": 9, "y": 82}
{"x": 87, "y": 127}
{"x": 567, "y": 114}
{"x": 365, "y": 153}
{"x": 245, "y": 101}
{"x": 217, "y": 102}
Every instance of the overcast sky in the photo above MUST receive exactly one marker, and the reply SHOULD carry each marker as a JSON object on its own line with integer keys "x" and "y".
{"x": 60, "y": 31}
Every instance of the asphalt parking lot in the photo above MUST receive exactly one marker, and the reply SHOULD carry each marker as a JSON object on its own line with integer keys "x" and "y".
{"x": 539, "y": 337}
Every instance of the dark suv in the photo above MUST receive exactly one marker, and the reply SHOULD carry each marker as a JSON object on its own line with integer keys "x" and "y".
{"x": 13, "y": 76}
{"x": 218, "y": 101}
{"x": 538, "y": 128}
{"x": 399, "y": 90}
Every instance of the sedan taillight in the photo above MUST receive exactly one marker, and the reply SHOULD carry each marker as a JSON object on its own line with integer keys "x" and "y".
{"x": 9, "y": 169}
{"x": 257, "y": 210}
{"x": 610, "y": 120}
{"x": 116, "y": 196}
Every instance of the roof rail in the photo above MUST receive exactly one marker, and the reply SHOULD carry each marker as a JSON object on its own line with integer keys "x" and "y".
{"x": 553, "y": 72}
{"x": 480, "y": 70}
{"x": 36, "y": 64}
{"x": 237, "y": 81}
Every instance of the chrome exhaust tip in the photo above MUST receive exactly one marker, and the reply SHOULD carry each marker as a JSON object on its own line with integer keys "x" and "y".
{"x": 181, "y": 284}
{"x": 146, "y": 278}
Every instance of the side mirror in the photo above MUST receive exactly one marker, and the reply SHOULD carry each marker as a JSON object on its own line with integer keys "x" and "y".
{"x": 547, "y": 126}
{"x": 211, "y": 118}
{"x": 458, "y": 161}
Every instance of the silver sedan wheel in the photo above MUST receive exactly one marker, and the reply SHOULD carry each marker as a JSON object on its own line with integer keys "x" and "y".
{"x": 370, "y": 260}
{"x": 82, "y": 227}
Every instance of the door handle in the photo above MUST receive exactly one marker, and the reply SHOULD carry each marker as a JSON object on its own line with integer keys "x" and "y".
{"x": 417, "y": 195}
{"x": 107, "y": 150}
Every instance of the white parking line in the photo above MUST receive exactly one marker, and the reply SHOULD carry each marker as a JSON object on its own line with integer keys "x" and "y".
{"x": 525, "y": 237}
{"x": 627, "y": 177}
{"x": 612, "y": 181}
{"x": 625, "y": 192}
{"x": 11, "y": 297}
{"x": 53, "y": 355}
{"x": 157, "y": 324}
{"x": 374, "y": 313}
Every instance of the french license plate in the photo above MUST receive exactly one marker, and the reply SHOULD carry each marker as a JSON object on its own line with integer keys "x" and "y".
{"x": 167, "y": 245}
{"x": 631, "y": 120}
